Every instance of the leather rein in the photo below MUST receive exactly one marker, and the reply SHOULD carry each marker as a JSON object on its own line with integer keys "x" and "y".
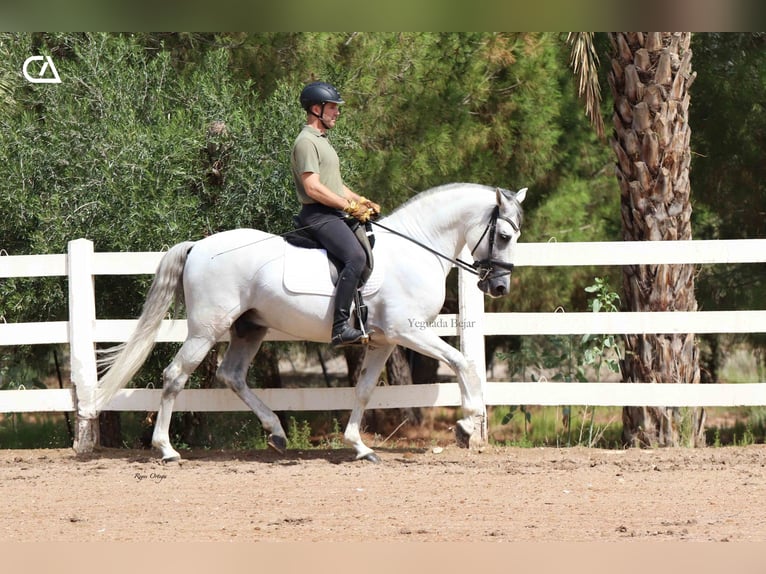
{"x": 483, "y": 268}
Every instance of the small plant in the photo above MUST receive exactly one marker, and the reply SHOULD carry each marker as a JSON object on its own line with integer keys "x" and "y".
{"x": 717, "y": 438}
{"x": 247, "y": 438}
{"x": 748, "y": 437}
{"x": 298, "y": 434}
{"x": 334, "y": 440}
{"x": 565, "y": 359}
{"x": 600, "y": 350}
{"x": 523, "y": 409}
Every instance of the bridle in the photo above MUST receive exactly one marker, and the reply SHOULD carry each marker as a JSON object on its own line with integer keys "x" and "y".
{"x": 483, "y": 268}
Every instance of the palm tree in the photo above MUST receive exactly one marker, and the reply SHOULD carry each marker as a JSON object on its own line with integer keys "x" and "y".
{"x": 650, "y": 77}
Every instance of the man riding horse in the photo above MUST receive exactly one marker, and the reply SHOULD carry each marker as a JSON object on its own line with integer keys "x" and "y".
{"x": 325, "y": 201}
{"x": 239, "y": 274}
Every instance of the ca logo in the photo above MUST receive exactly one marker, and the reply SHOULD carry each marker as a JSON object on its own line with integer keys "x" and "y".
{"x": 41, "y": 78}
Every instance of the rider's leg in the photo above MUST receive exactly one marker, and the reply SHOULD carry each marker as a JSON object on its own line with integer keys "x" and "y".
{"x": 338, "y": 239}
{"x": 342, "y": 332}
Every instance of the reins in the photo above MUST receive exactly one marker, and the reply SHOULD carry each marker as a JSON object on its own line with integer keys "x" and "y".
{"x": 458, "y": 262}
{"x": 482, "y": 268}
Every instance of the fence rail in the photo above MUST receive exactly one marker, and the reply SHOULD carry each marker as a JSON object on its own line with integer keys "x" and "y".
{"x": 83, "y": 330}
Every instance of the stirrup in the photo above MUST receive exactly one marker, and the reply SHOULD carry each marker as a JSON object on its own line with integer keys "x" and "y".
{"x": 350, "y": 336}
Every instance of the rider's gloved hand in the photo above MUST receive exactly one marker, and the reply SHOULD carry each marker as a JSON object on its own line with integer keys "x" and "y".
{"x": 359, "y": 210}
{"x": 371, "y": 204}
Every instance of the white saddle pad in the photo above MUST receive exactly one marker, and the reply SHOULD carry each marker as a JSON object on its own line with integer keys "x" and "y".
{"x": 308, "y": 271}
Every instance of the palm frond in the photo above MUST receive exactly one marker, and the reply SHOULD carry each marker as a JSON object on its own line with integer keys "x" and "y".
{"x": 584, "y": 61}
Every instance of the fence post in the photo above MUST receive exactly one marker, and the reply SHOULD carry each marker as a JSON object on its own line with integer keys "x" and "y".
{"x": 471, "y": 329}
{"x": 82, "y": 322}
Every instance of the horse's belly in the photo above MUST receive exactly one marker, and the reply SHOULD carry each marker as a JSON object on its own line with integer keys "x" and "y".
{"x": 304, "y": 317}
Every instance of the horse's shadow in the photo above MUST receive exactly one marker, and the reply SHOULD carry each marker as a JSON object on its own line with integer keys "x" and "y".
{"x": 267, "y": 456}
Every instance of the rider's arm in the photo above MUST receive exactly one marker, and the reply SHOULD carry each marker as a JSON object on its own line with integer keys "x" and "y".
{"x": 359, "y": 199}
{"x": 320, "y": 193}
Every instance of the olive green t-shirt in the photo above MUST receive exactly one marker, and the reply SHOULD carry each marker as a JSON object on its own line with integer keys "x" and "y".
{"x": 313, "y": 153}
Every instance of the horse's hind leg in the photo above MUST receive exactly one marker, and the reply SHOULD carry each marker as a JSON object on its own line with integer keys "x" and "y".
{"x": 233, "y": 371}
{"x": 175, "y": 375}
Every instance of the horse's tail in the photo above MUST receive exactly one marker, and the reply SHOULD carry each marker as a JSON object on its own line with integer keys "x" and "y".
{"x": 125, "y": 359}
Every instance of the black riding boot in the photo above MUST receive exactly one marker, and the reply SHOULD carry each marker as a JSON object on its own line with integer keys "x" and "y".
{"x": 342, "y": 332}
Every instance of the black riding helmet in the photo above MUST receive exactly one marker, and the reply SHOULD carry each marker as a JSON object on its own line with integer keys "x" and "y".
{"x": 319, "y": 93}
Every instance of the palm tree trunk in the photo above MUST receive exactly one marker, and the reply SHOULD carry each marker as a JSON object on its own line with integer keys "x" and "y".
{"x": 650, "y": 76}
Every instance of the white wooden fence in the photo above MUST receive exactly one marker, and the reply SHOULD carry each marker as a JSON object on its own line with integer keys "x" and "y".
{"x": 83, "y": 330}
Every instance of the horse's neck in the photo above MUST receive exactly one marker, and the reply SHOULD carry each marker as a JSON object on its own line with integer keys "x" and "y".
{"x": 442, "y": 219}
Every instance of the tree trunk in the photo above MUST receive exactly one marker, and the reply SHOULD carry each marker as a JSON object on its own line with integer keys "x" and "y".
{"x": 424, "y": 369}
{"x": 194, "y": 428}
{"x": 266, "y": 367}
{"x": 354, "y": 357}
{"x": 398, "y": 372}
{"x": 650, "y": 76}
{"x": 110, "y": 429}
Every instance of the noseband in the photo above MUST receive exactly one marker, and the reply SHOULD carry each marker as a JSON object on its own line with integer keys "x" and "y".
{"x": 487, "y": 268}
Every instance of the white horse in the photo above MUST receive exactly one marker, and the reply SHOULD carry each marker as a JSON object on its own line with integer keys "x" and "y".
{"x": 239, "y": 273}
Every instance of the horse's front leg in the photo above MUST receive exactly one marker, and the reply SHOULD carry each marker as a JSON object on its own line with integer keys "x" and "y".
{"x": 374, "y": 361}
{"x": 472, "y": 398}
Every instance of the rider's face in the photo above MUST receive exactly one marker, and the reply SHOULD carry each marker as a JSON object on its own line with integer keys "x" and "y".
{"x": 331, "y": 113}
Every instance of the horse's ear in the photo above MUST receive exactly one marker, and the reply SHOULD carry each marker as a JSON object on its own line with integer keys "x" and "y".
{"x": 505, "y": 194}
{"x": 502, "y": 194}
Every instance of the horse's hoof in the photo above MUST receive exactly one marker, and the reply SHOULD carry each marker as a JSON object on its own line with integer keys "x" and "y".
{"x": 278, "y": 443}
{"x": 462, "y": 437}
{"x": 371, "y": 457}
{"x": 171, "y": 459}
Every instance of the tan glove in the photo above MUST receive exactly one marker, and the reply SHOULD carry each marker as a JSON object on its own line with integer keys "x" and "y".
{"x": 371, "y": 205}
{"x": 358, "y": 210}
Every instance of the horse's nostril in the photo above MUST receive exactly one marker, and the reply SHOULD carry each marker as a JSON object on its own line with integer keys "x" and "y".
{"x": 500, "y": 289}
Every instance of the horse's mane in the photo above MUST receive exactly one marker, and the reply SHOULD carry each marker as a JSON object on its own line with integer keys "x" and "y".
{"x": 419, "y": 201}
{"x": 425, "y": 195}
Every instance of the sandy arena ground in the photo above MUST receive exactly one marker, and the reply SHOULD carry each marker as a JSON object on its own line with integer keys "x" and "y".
{"x": 415, "y": 495}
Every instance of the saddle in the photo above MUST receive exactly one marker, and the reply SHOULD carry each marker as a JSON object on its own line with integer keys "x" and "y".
{"x": 303, "y": 238}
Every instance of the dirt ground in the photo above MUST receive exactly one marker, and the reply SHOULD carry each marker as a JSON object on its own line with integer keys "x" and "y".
{"x": 418, "y": 495}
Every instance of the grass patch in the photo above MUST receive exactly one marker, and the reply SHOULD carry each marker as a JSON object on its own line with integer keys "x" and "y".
{"x": 534, "y": 426}
{"x": 22, "y": 430}
{"x": 527, "y": 427}
{"x": 741, "y": 426}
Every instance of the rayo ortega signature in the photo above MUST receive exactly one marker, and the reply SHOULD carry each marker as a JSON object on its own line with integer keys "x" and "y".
{"x": 153, "y": 477}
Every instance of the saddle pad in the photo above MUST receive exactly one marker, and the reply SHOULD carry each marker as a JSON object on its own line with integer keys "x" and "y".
{"x": 308, "y": 271}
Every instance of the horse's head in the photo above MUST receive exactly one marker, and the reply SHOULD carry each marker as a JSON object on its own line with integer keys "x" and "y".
{"x": 496, "y": 243}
